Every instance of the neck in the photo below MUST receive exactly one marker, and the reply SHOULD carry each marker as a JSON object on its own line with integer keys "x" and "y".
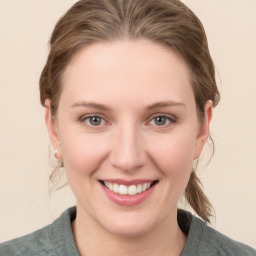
{"x": 93, "y": 240}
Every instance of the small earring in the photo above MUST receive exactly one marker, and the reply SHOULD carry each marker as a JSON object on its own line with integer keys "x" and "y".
{"x": 55, "y": 154}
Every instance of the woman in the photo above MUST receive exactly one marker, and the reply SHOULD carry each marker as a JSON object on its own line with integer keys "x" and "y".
{"x": 128, "y": 90}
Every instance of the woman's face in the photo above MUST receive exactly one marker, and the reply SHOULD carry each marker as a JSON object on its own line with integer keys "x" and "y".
{"x": 127, "y": 122}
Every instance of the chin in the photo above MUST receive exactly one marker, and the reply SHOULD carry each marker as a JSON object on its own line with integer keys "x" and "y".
{"x": 130, "y": 226}
{"x": 128, "y": 230}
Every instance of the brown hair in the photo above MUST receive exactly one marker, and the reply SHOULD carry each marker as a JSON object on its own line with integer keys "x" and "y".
{"x": 167, "y": 22}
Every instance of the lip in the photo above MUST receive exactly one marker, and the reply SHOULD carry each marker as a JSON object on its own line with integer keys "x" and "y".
{"x": 127, "y": 200}
{"x": 128, "y": 182}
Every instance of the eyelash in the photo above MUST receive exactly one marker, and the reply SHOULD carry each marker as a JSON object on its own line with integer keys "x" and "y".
{"x": 170, "y": 119}
{"x": 87, "y": 117}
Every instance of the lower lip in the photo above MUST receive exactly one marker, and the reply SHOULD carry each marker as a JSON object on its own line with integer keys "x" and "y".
{"x": 127, "y": 200}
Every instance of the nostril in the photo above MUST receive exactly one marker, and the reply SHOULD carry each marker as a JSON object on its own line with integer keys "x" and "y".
{"x": 127, "y": 154}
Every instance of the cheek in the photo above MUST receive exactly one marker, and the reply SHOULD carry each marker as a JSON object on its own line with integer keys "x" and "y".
{"x": 82, "y": 157}
{"x": 174, "y": 152}
{"x": 173, "y": 156}
{"x": 82, "y": 154}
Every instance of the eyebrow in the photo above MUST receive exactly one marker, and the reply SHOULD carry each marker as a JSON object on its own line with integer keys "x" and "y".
{"x": 90, "y": 104}
{"x": 104, "y": 107}
{"x": 165, "y": 104}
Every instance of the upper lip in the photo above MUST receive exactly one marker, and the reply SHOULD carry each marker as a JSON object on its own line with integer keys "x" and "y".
{"x": 128, "y": 182}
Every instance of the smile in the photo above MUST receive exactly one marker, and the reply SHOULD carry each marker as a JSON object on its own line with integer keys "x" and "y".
{"x": 131, "y": 190}
{"x": 128, "y": 193}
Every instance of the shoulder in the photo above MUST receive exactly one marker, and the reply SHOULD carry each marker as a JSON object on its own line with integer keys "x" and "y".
{"x": 31, "y": 244}
{"x": 204, "y": 240}
{"x": 223, "y": 245}
{"x": 54, "y": 239}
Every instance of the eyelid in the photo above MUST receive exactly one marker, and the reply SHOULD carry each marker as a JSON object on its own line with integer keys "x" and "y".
{"x": 172, "y": 119}
{"x": 86, "y": 116}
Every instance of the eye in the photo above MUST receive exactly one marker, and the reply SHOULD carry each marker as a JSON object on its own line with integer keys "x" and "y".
{"x": 162, "y": 120}
{"x": 93, "y": 120}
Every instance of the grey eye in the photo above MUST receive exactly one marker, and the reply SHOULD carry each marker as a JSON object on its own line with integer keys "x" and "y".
{"x": 160, "y": 120}
{"x": 94, "y": 120}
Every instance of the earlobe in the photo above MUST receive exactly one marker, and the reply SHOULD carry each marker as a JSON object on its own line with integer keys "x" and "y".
{"x": 51, "y": 126}
{"x": 203, "y": 131}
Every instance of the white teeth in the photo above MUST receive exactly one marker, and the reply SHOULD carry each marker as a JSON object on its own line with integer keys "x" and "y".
{"x": 110, "y": 186}
{"x": 127, "y": 190}
{"x": 132, "y": 190}
{"x": 115, "y": 188}
{"x": 139, "y": 188}
{"x": 123, "y": 190}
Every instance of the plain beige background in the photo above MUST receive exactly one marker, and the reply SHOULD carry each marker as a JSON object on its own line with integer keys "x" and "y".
{"x": 229, "y": 180}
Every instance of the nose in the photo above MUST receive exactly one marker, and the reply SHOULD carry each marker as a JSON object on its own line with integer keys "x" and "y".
{"x": 127, "y": 153}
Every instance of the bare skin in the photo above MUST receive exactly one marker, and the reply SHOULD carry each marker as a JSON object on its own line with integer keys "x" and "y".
{"x": 127, "y": 112}
{"x": 99, "y": 242}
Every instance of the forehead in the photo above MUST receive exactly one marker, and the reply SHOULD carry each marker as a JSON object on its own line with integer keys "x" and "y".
{"x": 147, "y": 70}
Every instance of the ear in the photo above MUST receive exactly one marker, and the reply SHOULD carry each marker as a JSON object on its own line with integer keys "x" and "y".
{"x": 203, "y": 129}
{"x": 52, "y": 129}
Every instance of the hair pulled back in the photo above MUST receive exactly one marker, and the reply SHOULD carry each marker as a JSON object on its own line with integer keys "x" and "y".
{"x": 166, "y": 22}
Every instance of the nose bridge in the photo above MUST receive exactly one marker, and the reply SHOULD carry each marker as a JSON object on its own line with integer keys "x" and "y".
{"x": 127, "y": 150}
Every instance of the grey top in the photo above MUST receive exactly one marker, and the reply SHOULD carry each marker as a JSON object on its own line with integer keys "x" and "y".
{"x": 57, "y": 239}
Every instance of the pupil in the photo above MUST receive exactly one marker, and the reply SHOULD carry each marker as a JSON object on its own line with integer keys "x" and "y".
{"x": 95, "y": 120}
{"x": 160, "y": 120}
